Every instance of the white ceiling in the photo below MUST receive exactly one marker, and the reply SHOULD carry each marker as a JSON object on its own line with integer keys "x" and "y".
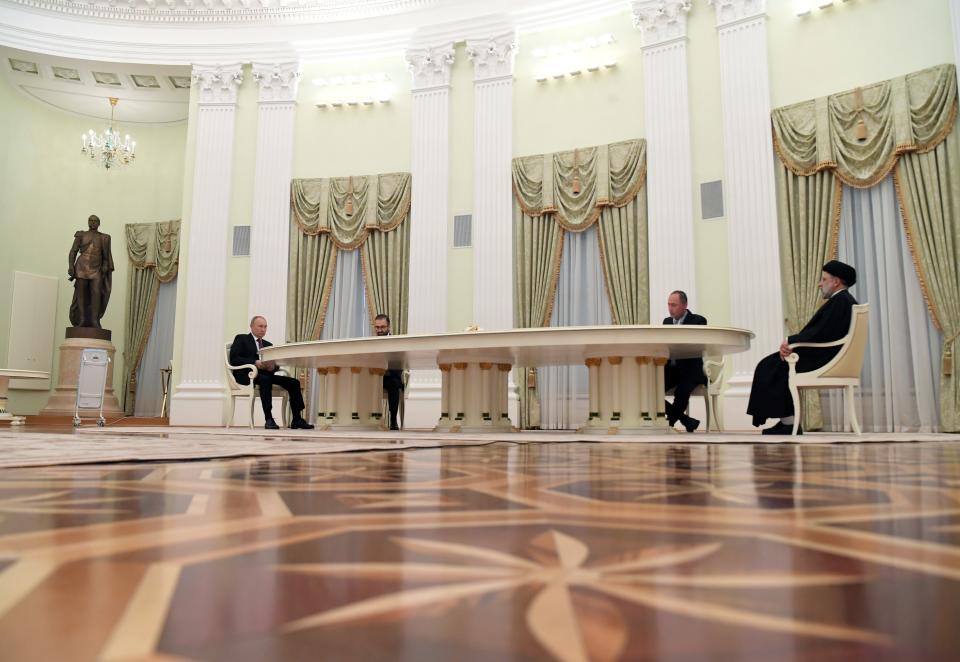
{"x": 148, "y": 93}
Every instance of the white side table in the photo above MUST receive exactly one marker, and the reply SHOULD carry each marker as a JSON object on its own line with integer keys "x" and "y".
{"x": 5, "y": 376}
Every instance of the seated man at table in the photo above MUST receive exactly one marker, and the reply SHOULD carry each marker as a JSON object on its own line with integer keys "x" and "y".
{"x": 683, "y": 375}
{"x": 392, "y": 379}
{"x": 770, "y": 393}
{"x": 245, "y": 350}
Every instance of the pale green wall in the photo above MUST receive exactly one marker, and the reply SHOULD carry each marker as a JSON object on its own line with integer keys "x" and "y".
{"x": 592, "y": 109}
{"x": 460, "y": 260}
{"x": 853, "y": 44}
{"x": 48, "y": 190}
{"x": 360, "y": 140}
{"x": 706, "y": 143}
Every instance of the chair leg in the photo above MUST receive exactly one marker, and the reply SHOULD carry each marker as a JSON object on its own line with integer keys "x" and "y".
{"x": 706, "y": 406}
{"x": 797, "y": 414}
{"x": 252, "y": 400}
{"x": 230, "y": 414}
{"x": 717, "y": 412}
{"x": 850, "y": 404}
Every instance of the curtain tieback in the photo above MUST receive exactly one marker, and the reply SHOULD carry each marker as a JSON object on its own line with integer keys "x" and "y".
{"x": 948, "y": 354}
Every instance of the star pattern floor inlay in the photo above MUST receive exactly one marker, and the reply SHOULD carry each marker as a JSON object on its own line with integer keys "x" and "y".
{"x": 569, "y": 551}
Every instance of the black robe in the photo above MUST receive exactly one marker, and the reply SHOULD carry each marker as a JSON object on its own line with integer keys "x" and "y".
{"x": 770, "y": 393}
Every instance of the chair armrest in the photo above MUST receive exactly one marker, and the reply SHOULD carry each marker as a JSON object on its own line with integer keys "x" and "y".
{"x": 253, "y": 369}
{"x": 707, "y": 364}
{"x": 835, "y": 343}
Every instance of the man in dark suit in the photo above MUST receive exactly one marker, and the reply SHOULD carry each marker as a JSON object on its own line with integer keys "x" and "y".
{"x": 684, "y": 375}
{"x": 245, "y": 350}
{"x": 392, "y": 379}
{"x": 770, "y": 393}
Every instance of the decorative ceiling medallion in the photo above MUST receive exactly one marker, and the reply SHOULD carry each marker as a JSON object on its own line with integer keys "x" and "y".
{"x": 230, "y": 11}
{"x": 24, "y": 67}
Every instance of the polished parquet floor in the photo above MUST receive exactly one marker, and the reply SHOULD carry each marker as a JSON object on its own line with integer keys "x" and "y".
{"x": 569, "y": 551}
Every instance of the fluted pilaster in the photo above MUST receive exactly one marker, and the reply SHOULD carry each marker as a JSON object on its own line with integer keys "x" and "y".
{"x": 492, "y": 193}
{"x": 755, "y": 289}
{"x": 269, "y": 232}
{"x": 430, "y": 169}
{"x": 199, "y": 397}
{"x": 662, "y": 24}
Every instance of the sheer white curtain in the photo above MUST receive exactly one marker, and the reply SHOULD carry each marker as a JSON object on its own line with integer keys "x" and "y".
{"x": 581, "y": 300}
{"x": 900, "y": 379}
{"x": 157, "y": 354}
{"x": 346, "y": 310}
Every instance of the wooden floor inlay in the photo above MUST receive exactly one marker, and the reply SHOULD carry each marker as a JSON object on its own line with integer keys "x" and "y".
{"x": 570, "y": 551}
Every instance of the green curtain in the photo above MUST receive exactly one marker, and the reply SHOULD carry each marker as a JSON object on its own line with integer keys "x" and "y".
{"x": 386, "y": 275}
{"x": 313, "y": 259}
{"x": 809, "y": 226}
{"x": 570, "y": 191}
{"x": 928, "y": 187}
{"x": 153, "y": 251}
{"x": 346, "y": 213}
{"x": 537, "y": 248}
{"x": 350, "y": 208}
{"x": 856, "y": 138}
{"x": 623, "y": 254}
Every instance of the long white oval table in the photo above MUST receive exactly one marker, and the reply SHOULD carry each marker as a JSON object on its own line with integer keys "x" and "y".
{"x": 625, "y": 365}
{"x": 6, "y": 374}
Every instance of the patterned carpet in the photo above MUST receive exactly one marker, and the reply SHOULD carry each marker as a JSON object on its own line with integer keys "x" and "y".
{"x": 26, "y": 448}
{"x": 572, "y": 552}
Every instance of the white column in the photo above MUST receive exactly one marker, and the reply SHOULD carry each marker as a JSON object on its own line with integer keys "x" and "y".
{"x": 430, "y": 161}
{"x": 199, "y": 399}
{"x": 269, "y": 231}
{"x": 663, "y": 26}
{"x": 755, "y": 290}
{"x": 492, "y": 191}
{"x": 955, "y": 21}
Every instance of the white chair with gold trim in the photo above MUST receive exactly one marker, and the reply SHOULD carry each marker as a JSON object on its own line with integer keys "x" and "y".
{"x": 249, "y": 391}
{"x": 713, "y": 369}
{"x": 842, "y": 371}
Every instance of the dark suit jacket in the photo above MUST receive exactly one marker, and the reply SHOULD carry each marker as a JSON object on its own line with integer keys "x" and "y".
{"x": 244, "y": 351}
{"x": 830, "y": 322}
{"x": 690, "y": 368}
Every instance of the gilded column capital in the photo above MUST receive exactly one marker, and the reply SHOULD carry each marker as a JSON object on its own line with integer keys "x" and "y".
{"x": 278, "y": 80}
{"x": 430, "y": 66}
{"x": 217, "y": 83}
{"x": 493, "y": 57}
{"x": 660, "y": 21}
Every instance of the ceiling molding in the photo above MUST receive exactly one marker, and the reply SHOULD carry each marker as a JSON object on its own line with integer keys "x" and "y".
{"x": 32, "y": 25}
{"x": 227, "y": 11}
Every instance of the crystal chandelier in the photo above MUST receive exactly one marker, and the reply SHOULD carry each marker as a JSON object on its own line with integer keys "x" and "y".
{"x": 106, "y": 147}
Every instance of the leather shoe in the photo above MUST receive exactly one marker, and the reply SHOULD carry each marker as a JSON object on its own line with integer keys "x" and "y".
{"x": 691, "y": 424}
{"x": 301, "y": 424}
{"x": 270, "y": 424}
{"x": 781, "y": 428}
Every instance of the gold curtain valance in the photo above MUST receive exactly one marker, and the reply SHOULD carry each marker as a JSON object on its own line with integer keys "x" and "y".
{"x": 576, "y": 185}
{"x": 860, "y": 133}
{"x": 348, "y": 208}
{"x": 155, "y": 245}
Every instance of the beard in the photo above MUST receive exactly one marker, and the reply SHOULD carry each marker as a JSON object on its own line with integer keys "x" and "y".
{"x": 825, "y": 292}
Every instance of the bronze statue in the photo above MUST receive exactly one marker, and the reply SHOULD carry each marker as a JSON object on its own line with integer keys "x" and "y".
{"x": 91, "y": 269}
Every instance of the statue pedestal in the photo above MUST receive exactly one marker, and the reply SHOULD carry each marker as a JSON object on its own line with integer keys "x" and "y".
{"x": 63, "y": 398}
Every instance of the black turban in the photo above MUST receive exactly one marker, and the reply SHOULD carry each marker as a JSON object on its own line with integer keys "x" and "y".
{"x": 844, "y": 272}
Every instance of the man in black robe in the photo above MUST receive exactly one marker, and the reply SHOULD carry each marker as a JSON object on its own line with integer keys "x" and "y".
{"x": 682, "y": 375}
{"x": 770, "y": 394}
